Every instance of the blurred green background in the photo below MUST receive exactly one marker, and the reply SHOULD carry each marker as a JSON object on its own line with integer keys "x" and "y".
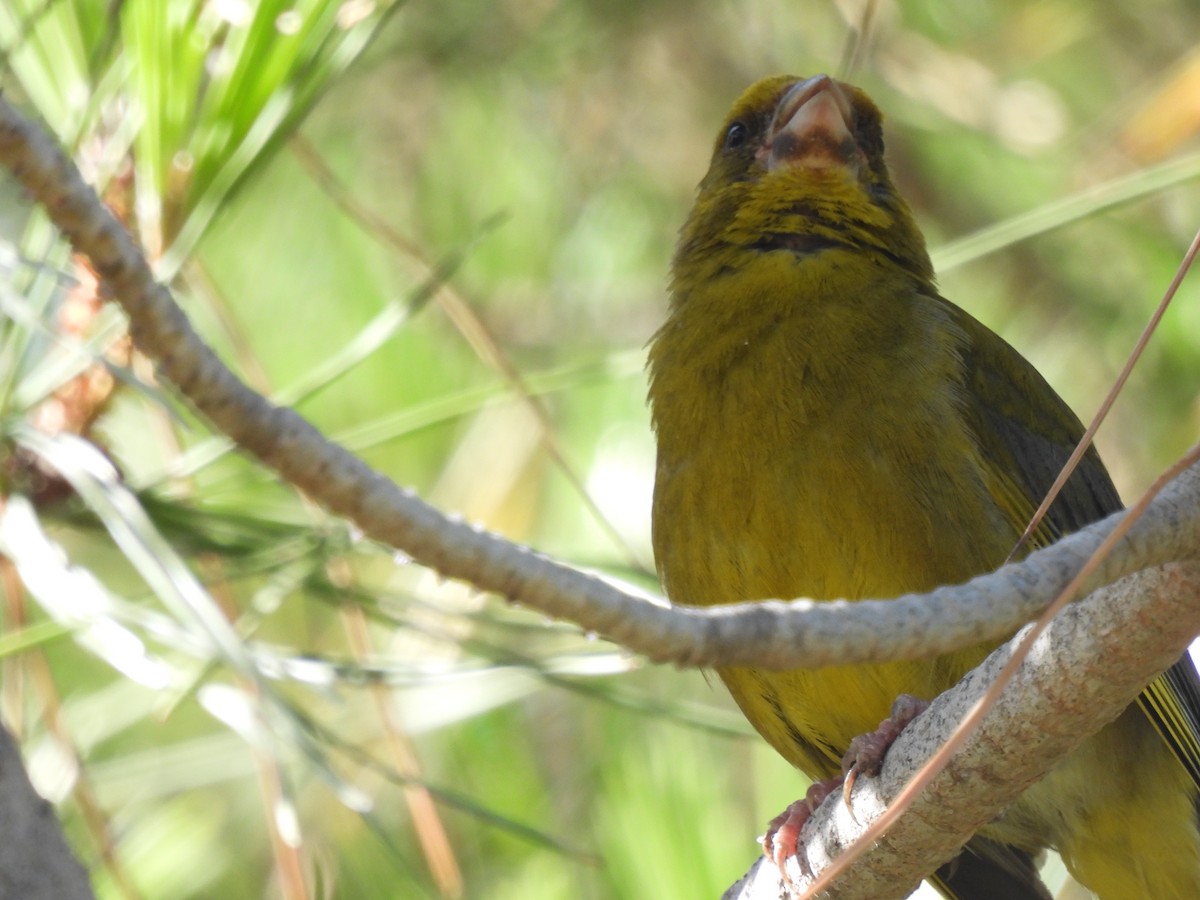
{"x": 442, "y": 230}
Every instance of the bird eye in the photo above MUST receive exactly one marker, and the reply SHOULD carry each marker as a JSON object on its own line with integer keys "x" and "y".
{"x": 736, "y": 136}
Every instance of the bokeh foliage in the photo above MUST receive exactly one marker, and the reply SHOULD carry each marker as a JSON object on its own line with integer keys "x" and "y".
{"x": 442, "y": 230}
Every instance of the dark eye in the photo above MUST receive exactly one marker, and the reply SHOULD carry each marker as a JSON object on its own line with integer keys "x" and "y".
{"x": 736, "y": 136}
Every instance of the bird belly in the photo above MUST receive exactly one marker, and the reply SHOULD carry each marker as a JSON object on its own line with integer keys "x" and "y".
{"x": 825, "y": 519}
{"x": 810, "y": 716}
{"x": 822, "y": 458}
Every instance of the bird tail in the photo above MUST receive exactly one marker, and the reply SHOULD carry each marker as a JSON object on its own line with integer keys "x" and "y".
{"x": 986, "y": 870}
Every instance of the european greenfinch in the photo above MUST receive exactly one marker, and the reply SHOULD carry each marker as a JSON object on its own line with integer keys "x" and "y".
{"x": 829, "y": 426}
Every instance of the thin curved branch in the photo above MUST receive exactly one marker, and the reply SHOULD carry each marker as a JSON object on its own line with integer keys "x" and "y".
{"x": 780, "y": 635}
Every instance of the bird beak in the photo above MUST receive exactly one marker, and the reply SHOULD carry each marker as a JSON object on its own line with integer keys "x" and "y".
{"x": 813, "y": 128}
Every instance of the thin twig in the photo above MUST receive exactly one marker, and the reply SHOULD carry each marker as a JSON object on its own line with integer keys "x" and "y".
{"x": 1089, "y": 435}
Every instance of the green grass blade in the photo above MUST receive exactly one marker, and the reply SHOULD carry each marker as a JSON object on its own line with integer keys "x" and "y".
{"x": 1059, "y": 213}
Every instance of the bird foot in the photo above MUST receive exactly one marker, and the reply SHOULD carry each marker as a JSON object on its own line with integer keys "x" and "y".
{"x": 866, "y": 753}
{"x": 781, "y": 843}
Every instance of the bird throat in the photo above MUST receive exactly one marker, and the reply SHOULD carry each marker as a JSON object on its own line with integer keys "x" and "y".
{"x": 799, "y": 244}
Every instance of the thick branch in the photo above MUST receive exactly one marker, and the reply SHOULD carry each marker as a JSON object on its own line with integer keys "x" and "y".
{"x": 1088, "y": 666}
{"x": 767, "y": 635}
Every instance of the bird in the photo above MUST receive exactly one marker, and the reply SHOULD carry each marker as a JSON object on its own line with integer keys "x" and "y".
{"x": 829, "y": 426}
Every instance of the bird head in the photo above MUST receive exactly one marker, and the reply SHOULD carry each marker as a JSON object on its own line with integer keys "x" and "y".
{"x": 798, "y": 166}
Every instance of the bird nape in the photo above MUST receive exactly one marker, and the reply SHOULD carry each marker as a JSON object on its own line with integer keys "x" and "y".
{"x": 829, "y": 426}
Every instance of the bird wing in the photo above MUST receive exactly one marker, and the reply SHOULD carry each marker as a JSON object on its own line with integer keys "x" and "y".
{"x": 1025, "y": 433}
